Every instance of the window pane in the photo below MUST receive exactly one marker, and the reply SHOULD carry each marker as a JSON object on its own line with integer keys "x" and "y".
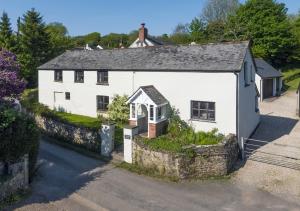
{"x": 211, "y": 106}
{"x": 102, "y": 102}
{"x": 195, "y": 113}
{"x": 151, "y": 112}
{"x": 203, "y": 105}
{"x": 195, "y": 104}
{"x": 203, "y": 114}
{"x": 211, "y": 115}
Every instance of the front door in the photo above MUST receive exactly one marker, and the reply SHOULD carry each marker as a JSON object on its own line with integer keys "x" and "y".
{"x": 142, "y": 120}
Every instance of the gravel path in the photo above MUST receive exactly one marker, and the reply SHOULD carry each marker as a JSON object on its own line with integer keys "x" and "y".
{"x": 280, "y": 127}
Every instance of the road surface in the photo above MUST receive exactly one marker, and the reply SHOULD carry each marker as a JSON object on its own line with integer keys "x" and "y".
{"x": 69, "y": 181}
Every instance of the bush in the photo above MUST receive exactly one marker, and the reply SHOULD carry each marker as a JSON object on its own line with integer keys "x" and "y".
{"x": 118, "y": 110}
{"x": 181, "y": 134}
{"x": 19, "y": 135}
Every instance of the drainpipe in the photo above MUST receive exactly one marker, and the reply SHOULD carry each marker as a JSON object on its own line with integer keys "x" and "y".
{"x": 237, "y": 107}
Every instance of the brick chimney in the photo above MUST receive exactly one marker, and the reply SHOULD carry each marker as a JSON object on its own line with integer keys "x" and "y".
{"x": 143, "y": 33}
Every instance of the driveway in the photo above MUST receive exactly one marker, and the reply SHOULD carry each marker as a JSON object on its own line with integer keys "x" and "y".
{"x": 69, "y": 181}
{"x": 275, "y": 167}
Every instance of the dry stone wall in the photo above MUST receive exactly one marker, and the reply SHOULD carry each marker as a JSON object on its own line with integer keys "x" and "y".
{"x": 16, "y": 179}
{"x": 208, "y": 161}
{"x": 88, "y": 138}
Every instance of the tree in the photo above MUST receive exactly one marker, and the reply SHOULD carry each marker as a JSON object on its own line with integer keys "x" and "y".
{"x": 218, "y": 10}
{"x": 197, "y": 30}
{"x": 10, "y": 83}
{"x": 181, "y": 34}
{"x": 59, "y": 39}
{"x": 6, "y": 33}
{"x": 34, "y": 44}
{"x": 265, "y": 22}
{"x": 114, "y": 40}
{"x": 92, "y": 39}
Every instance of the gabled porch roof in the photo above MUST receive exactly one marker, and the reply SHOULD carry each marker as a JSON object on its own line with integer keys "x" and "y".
{"x": 152, "y": 93}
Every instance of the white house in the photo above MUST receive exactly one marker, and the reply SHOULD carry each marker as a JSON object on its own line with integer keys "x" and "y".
{"x": 144, "y": 40}
{"x": 268, "y": 80}
{"x": 211, "y": 85}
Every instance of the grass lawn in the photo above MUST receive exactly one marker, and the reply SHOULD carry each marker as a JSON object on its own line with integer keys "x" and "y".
{"x": 291, "y": 77}
{"x": 79, "y": 120}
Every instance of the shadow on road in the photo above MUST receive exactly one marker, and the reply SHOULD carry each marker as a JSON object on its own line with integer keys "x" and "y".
{"x": 61, "y": 173}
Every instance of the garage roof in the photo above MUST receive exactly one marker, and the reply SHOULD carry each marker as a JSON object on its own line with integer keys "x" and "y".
{"x": 265, "y": 70}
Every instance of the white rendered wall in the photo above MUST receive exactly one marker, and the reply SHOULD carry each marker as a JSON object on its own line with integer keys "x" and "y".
{"x": 178, "y": 87}
{"x": 248, "y": 117}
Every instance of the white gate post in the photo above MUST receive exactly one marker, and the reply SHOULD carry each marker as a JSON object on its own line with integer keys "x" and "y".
{"x": 107, "y": 138}
{"x": 243, "y": 148}
{"x": 129, "y": 133}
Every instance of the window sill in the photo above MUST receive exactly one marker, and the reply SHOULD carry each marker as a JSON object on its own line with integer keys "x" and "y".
{"x": 103, "y": 84}
{"x": 203, "y": 120}
{"x": 79, "y": 82}
{"x": 58, "y": 81}
{"x": 102, "y": 111}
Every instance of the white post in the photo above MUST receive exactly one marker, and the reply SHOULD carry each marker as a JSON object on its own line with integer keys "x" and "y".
{"x": 107, "y": 139}
{"x": 242, "y": 148}
{"x": 129, "y": 133}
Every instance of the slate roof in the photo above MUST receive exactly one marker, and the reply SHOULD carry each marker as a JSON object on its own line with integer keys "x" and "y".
{"x": 210, "y": 57}
{"x": 265, "y": 70}
{"x": 154, "y": 94}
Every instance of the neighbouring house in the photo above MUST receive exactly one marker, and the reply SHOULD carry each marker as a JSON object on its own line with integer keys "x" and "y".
{"x": 211, "y": 85}
{"x": 268, "y": 80}
{"x": 144, "y": 40}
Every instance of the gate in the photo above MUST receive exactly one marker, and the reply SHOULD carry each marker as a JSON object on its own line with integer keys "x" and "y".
{"x": 270, "y": 153}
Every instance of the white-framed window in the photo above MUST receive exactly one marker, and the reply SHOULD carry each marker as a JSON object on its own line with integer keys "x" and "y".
{"x": 79, "y": 76}
{"x": 102, "y": 102}
{"x": 151, "y": 116}
{"x": 159, "y": 113}
{"x": 58, "y": 75}
{"x": 133, "y": 111}
{"x": 67, "y": 95}
{"x": 102, "y": 77}
{"x": 203, "y": 110}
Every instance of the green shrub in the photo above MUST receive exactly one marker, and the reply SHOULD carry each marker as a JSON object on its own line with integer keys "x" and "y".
{"x": 118, "y": 109}
{"x": 181, "y": 134}
{"x": 19, "y": 135}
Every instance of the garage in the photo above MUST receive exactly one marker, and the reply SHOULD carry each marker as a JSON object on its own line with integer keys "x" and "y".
{"x": 267, "y": 88}
{"x": 268, "y": 80}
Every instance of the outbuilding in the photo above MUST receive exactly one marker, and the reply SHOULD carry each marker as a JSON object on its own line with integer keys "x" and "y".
{"x": 268, "y": 80}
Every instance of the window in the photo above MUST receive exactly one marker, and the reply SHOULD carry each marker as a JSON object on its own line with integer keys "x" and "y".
{"x": 246, "y": 74}
{"x": 256, "y": 104}
{"x": 102, "y": 77}
{"x": 79, "y": 76}
{"x": 133, "y": 111}
{"x": 159, "y": 113}
{"x": 151, "y": 112}
{"x": 58, "y": 76}
{"x": 67, "y": 96}
{"x": 102, "y": 103}
{"x": 203, "y": 110}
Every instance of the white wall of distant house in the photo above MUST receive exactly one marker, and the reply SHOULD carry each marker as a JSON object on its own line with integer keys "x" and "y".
{"x": 137, "y": 43}
{"x": 179, "y": 88}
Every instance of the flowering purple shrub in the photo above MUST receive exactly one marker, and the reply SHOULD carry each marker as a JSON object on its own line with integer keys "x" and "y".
{"x": 11, "y": 85}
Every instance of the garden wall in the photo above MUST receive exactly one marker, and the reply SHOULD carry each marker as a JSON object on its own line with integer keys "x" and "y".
{"x": 17, "y": 178}
{"x": 88, "y": 138}
{"x": 207, "y": 161}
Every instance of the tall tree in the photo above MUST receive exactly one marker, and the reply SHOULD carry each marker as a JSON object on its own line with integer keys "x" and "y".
{"x": 197, "y": 30}
{"x": 266, "y": 23}
{"x": 6, "y": 33}
{"x": 34, "y": 44}
{"x": 219, "y": 10}
{"x": 59, "y": 38}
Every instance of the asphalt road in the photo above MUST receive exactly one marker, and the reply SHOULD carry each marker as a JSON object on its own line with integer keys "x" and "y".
{"x": 70, "y": 181}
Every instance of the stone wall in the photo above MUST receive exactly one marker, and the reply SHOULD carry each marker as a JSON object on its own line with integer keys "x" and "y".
{"x": 17, "y": 178}
{"x": 88, "y": 138}
{"x": 210, "y": 160}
